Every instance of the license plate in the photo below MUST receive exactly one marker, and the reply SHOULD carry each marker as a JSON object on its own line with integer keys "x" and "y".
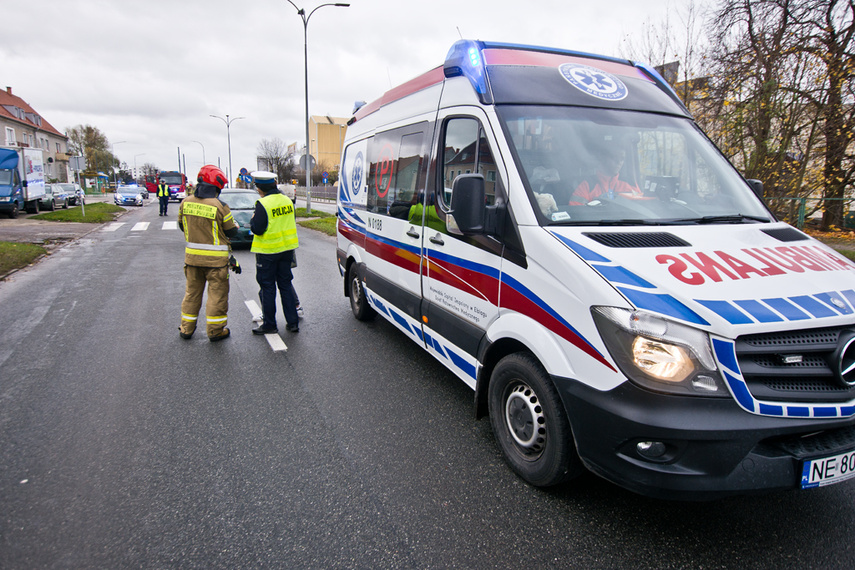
{"x": 828, "y": 470}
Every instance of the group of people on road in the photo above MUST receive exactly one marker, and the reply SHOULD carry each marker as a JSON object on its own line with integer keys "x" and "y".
{"x": 208, "y": 225}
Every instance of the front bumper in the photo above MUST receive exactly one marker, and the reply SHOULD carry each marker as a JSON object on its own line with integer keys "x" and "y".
{"x": 713, "y": 447}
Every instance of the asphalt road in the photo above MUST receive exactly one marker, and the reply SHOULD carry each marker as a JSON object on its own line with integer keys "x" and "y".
{"x": 123, "y": 446}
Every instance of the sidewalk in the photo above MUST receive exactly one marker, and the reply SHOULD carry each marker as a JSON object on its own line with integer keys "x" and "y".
{"x": 24, "y": 229}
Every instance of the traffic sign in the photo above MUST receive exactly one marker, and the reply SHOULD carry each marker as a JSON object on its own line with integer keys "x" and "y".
{"x": 311, "y": 162}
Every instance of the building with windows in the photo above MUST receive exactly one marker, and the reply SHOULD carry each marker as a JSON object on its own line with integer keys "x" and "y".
{"x": 22, "y": 126}
{"x": 327, "y": 138}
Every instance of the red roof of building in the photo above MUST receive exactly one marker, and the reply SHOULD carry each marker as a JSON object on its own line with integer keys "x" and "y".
{"x": 6, "y": 98}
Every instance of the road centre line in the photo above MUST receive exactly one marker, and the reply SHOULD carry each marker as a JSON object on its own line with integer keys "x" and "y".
{"x": 274, "y": 340}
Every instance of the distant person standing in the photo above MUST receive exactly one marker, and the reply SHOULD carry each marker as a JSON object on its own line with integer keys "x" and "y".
{"x": 274, "y": 230}
{"x": 163, "y": 196}
{"x": 207, "y": 224}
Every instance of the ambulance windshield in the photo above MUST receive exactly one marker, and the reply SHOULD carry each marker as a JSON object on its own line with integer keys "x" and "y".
{"x": 586, "y": 166}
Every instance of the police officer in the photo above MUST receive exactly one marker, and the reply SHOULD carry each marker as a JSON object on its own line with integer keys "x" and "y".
{"x": 207, "y": 224}
{"x": 163, "y": 196}
{"x": 274, "y": 239}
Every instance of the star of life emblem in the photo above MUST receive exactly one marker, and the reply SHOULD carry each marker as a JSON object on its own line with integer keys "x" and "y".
{"x": 356, "y": 174}
{"x": 595, "y": 82}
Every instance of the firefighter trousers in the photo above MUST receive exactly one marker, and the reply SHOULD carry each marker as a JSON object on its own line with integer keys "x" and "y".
{"x": 217, "y": 307}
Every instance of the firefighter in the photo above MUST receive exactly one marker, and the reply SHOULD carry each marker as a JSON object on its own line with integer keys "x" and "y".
{"x": 274, "y": 240}
{"x": 207, "y": 224}
{"x": 163, "y": 196}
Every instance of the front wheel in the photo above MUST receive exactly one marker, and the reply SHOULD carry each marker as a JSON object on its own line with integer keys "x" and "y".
{"x": 358, "y": 300}
{"x": 530, "y": 424}
{"x": 13, "y": 213}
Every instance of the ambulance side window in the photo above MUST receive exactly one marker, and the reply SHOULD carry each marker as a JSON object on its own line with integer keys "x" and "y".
{"x": 395, "y": 173}
{"x": 467, "y": 151}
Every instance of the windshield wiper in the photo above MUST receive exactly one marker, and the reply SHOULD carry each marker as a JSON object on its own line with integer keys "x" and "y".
{"x": 619, "y": 222}
{"x": 724, "y": 219}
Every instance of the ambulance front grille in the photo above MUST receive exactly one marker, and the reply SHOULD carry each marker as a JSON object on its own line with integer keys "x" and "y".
{"x": 793, "y": 366}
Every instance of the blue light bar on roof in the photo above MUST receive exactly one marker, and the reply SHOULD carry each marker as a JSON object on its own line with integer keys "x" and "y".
{"x": 465, "y": 58}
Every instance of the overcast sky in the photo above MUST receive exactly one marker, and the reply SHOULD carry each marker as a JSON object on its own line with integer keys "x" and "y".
{"x": 151, "y": 72}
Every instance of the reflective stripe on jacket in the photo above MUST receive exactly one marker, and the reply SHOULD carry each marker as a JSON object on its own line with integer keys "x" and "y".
{"x": 162, "y": 190}
{"x": 205, "y": 221}
{"x": 281, "y": 232}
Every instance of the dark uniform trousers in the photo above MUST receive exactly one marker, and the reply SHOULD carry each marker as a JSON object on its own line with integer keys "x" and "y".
{"x": 217, "y": 306}
{"x": 273, "y": 270}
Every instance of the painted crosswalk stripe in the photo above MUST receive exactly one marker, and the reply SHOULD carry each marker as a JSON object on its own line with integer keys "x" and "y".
{"x": 113, "y": 226}
{"x": 170, "y": 226}
{"x": 140, "y": 227}
{"x": 274, "y": 340}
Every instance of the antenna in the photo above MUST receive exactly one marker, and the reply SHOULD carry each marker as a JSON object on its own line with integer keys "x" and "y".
{"x": 458, "y": 32}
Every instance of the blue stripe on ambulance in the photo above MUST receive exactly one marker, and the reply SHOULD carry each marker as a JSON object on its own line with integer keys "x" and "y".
{"x": 725, "y": 354}
{"x": 661, "y": 303}
{"x": 798, "y": 308}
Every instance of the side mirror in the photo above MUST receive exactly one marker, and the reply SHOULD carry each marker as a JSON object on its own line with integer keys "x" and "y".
{"x": 468, "y": 203}
{"x": 757, "y": 186}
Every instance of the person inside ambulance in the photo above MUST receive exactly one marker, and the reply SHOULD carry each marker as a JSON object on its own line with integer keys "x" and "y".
{"x": 607, "y": 184}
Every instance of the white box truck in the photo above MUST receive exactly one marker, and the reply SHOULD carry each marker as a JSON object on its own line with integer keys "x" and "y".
{"x": 22, "y": 180}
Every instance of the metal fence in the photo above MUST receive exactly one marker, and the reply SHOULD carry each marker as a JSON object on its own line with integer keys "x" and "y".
{"x": 326, "y": 193}
{"x": 794, "y": 211}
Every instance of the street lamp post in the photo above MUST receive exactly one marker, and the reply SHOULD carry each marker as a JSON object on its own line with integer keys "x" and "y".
{"x": 203, "y": 152}
{"x": 228, "y": 123}
{"x": 305, "y": 18}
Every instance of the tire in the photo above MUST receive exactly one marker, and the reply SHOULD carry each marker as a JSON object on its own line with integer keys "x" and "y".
{"x": 13, "y": 213}
{"x": 358, "y": 300}
{"x": 51, "y": 207}
{"x": 65, "y": 204}
{"x": 529, "y": 422}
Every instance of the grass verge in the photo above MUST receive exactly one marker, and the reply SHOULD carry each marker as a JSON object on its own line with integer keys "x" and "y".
{"x": 325, "y": 224}
{"x": 15, "y": 255}
{"x": 96, "y": 213}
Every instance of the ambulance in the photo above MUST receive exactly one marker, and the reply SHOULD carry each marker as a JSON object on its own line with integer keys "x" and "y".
{"x": 555, "y": 229}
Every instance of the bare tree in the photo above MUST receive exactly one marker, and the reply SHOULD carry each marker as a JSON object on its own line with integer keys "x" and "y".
{"x": 275, "y": 154}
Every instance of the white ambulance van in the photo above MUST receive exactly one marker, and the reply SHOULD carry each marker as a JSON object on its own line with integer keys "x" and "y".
{"x": 555, "y": 229}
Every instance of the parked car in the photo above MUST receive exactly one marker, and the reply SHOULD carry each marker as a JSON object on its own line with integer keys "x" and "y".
{"x": 242, "y": 205}
{"x": 55, "y": 195}
{"x": 70, "y": 192}
{"x": 128, "y": 196}
{"x": 289, "y": 190}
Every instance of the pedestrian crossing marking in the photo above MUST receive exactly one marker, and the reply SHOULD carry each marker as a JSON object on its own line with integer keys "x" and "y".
{"x": 274, "y": 340}
{"x": 139, "y": 226}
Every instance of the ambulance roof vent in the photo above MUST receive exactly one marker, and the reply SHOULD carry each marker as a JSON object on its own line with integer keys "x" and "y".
{"x": 637, "y": 239}
{"x": 786, "y": 234}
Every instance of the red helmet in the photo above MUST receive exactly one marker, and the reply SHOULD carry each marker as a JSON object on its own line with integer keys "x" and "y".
{"x": 212, "y": 175}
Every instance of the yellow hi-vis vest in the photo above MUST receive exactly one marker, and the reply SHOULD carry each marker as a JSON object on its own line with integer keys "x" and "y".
{"x": 281, "y": 232}
{"x": 162, "y": 190}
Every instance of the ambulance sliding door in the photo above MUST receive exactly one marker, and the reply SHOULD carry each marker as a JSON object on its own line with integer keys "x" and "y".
{"x": 462, "y": 274}
{"x": 396, "y": 175}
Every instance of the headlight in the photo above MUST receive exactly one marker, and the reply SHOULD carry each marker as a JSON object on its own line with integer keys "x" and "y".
{"x": 659, "y": 354}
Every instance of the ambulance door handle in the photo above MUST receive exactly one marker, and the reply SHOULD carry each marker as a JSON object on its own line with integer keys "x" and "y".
{"x": 437, "y": 240}
{"x": 412, "y": 232}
